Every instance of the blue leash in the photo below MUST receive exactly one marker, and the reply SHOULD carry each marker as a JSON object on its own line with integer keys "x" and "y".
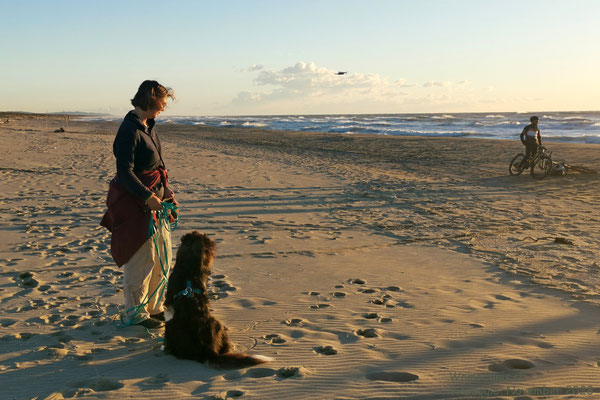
{"x": 162, "y": 222}
{"x": 189, "y": 291}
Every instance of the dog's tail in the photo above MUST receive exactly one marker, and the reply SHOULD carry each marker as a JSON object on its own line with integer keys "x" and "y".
{"x": 237, "y": 360}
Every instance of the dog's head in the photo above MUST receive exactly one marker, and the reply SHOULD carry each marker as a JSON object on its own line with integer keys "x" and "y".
{"x": 196, "y": 253}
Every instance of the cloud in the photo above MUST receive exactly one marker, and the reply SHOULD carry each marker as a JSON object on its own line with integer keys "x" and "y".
{"x": 308, "y": 80}
{"x": 247, "y": 97}
{"x": 435, "y": 84}
{"x": 308, "y": 88}
{"x": 252, "y": 68}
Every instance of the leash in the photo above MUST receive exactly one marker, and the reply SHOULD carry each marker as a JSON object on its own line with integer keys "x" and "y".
{"x": 189, "y": 291}
{"x": 159, "y": 220}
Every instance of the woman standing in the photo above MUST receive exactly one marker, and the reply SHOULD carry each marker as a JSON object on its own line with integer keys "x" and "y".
{"x": 139, "y": 187}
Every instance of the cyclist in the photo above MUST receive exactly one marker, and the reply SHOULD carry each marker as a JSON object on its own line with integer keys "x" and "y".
{"x": 531, "y": 138}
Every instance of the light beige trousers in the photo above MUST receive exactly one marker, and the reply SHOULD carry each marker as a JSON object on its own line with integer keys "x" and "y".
{"x": 143, "y": 274}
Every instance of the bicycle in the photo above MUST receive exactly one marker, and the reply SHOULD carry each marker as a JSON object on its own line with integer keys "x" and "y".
{"x": 540, "y": 163}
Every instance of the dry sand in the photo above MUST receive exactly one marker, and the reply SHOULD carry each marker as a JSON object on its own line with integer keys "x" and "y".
{"x": 368, "y": 267}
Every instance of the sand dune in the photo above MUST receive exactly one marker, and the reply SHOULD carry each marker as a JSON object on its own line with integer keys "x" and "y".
{"x": 367, "y": 267}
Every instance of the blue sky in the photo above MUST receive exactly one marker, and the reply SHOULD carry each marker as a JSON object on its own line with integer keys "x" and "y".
{"x": 280, "y": 57}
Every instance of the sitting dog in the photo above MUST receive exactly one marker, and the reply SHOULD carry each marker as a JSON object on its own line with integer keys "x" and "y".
{"x": 190, "y": 331}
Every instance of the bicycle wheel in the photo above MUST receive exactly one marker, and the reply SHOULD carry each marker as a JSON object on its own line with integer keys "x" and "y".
{"x": 515, "y": 167}
{"x": 541, "y": 168}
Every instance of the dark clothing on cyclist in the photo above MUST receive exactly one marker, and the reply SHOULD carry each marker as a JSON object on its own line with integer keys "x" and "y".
{"x": 531, "y": 138}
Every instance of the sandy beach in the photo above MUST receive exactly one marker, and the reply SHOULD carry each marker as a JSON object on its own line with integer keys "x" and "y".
{"x": 368, "y": 267}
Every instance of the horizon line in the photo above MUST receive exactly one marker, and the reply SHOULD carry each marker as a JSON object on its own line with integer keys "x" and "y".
{"x": 93, "y": 113}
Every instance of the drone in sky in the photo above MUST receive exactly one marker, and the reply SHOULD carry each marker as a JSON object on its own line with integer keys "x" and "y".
{"x": 341, "y": 73}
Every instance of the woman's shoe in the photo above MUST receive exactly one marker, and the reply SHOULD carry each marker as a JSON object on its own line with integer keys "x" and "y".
{"x": 160, "y": 316}
{"x": 150, "y": 323}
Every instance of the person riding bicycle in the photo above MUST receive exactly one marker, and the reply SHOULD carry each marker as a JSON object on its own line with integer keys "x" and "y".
{"x": 531, "y": 138}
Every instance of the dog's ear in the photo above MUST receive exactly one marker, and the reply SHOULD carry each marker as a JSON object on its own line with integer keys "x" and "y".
{"x": 208, "y": 251}
{"x": 209, "y": 245}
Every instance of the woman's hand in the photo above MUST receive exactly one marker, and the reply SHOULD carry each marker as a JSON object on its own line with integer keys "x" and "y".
{"x": 169, "y": 195}
{"x": 154, "y": 203}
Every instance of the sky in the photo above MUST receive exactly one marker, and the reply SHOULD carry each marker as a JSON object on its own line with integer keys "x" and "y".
{"x": 264, "y": 57}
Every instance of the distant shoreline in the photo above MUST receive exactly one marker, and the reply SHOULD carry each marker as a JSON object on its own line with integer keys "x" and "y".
{"x": 578, "y": 127}
{"x": 169, "y": 125}
{"x": 83, "y": 113}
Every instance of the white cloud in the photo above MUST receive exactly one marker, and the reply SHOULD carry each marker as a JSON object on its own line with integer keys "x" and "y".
{"x": 309, "y": 80}
{"x": 309, "y": 88}
{"x": 252, "y": 68}
{"x": 246, "y": 97}
{"x": 436, "y": 84}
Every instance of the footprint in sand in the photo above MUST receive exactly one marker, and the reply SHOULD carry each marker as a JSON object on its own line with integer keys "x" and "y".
{"x": 320, "y": 306}
{"x": 104, "y": 339}
{"x": 233, "y": 393}
{"x": 71, "y": 320}
{"x": 24, "y": 336}
{"x": 274, "y": 339}
{"x": 54, "y": 352}
{"x": 260, "y": 372}
{"x": 393, "y": 289}
{"x": 357, "y": 281}
{"x": 490, "y": 305}
{"x": 248, "y": 304}
{"x": 404, "y": 304}
{"x": 367, "y": 290}
{"x": 83, "y": 356}
{"x": 13, "y": 261}
{"x": 370, "y": 315}
{"x": 513, "y": 363}
{"x": 294, "y": 322}
{"x": 26, "y": 280}
{"x": 157, "y": 380}
{"x": 95, "y": 313}
{"x": 225, "y": 395}
{"x": 42, "y": 319}
{"x": 6, "y": 322}
{"x": 367, "y": 332}
{"x": 223, "y": 285}
{"x": 102, "y": 322}
{"x": 44, "y": 288}
{"x": 8, "y": 338}
{"x": 325, "y": 350}
{"x": 392, "y": 376}
{"x": 339, "y": 294}
{"x": 63, "y": 337}
{"x": 292, "y": 372}
{"x": 98, "y": 384}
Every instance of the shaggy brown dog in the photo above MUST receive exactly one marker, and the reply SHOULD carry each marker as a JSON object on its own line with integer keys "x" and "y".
{"x": 190, "y": 331}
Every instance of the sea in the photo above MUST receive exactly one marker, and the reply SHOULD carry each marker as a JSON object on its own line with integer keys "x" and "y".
{"x": 576, "y": 127}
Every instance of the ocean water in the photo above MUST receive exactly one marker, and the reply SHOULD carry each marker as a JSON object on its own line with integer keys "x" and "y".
{"x": 581, "y": 127}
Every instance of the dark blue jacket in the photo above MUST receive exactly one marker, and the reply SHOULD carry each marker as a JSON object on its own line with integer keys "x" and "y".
{"x": 137, "y": 149}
